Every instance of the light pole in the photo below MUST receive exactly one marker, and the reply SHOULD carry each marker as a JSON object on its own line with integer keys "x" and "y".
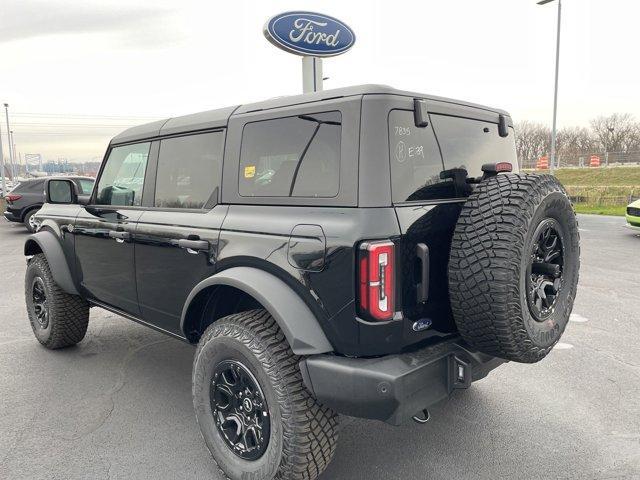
{"x": 555, "y": 91}
{"x": 6, "y": 112}
{"x": 4, "y": 184}
{"x": 15, "y": 164}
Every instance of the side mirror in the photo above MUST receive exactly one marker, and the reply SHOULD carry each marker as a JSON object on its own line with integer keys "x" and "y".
{"x": 61, "y": 191}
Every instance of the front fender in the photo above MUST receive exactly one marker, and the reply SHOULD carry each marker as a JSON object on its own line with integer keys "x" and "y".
{"x": 46, "y": 242}
{"x": 298, "y": 323}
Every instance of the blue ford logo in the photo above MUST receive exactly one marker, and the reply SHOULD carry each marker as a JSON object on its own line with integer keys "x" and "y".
{"x": 422, "y": 324}
{"x": 308, "y": 33}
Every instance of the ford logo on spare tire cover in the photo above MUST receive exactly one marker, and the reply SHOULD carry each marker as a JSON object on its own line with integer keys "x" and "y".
{"x": 309, "y": 34}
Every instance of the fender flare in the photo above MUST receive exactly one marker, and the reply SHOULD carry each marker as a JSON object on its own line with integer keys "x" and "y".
{"x": 47, "y": 243}
{"x": 297, "y": 321}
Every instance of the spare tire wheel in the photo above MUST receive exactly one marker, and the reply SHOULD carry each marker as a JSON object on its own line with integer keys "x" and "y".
{"x": 513, "y": 268}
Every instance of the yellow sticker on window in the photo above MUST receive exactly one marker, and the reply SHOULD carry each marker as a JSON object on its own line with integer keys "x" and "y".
{"x": 250, "y": 171}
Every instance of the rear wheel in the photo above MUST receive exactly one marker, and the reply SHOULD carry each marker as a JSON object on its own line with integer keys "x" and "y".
{"x": 57, "y": 318}
{"x": 255, "y": 415}
{"x": 29, "y": 221}
{"x": 513, "y": 269}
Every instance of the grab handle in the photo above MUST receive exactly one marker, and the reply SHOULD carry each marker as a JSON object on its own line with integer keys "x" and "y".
{"x": 422, "y": 292}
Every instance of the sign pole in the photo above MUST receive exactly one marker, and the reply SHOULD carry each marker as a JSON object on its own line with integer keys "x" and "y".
{"x": 311, "y": 74}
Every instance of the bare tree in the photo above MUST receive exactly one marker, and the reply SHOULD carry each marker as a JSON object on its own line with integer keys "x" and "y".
{"x": 616, "y": 133}
{"x": 574, "y": 141}
{"x": 533, "y": 140}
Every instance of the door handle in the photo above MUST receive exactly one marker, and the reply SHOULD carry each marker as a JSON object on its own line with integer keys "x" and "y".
{"x": 422, "y": 289}
{"x": 193, "y": 246}
{"x": 119, "y": 236}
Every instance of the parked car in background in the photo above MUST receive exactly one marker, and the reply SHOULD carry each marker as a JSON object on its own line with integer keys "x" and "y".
{"x": 633, "y": 215}
{"x": 26, "y": 198}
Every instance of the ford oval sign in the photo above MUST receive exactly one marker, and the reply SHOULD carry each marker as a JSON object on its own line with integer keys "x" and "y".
{"x": 309, "y": 34}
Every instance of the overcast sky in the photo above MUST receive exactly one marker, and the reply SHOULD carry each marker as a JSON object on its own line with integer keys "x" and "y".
{"x": 84, "y": 70}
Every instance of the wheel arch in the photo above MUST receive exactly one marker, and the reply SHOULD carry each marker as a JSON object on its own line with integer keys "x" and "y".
{"x": 47, "y": 243}
{"x": 297, "y": 321}
{"x": 30, "y": 208}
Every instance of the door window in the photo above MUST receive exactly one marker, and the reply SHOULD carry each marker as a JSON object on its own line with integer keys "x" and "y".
{"x": 123, "y": 175}
{"x": 292, "y": 157}
{"x": 189, "y": 170}
{"x": 86, "y": 186}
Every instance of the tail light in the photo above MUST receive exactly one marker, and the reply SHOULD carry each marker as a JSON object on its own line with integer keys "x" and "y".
{"x": 12, "y": 197}
{"x": 376, "y": 280}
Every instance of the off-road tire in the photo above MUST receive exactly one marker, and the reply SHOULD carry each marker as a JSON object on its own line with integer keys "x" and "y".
{"x": 68, "y": 315}
{"x": 303, "y": 433}
{"x": 490, "y": 253}
{"x": 27, "y": 219}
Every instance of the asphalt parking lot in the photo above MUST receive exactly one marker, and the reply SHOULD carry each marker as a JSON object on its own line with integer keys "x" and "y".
{"x": 119, "y": 404}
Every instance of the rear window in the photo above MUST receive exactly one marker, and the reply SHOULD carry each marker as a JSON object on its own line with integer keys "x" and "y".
{"x": 416, "y": 160}
{"x": 469, "y": 144}
{"x": 291, "y": 157}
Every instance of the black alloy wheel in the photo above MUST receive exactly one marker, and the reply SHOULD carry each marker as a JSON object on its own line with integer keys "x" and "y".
{"x": 240, "y": 410}
{"x": 40, "y": 305}
{"x": 544, "y": 275}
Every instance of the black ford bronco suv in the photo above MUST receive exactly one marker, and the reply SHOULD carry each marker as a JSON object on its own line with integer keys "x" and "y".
{"x": 362, "y": 251}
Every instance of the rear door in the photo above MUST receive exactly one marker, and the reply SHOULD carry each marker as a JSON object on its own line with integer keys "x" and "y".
{"x": 177, "y": 236}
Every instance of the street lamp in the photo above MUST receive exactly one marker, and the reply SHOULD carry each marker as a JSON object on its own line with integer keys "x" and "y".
{"x": 555, "y": 92}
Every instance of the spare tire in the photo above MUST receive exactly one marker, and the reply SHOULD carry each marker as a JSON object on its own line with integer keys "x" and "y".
{"x": 513, "y": 268}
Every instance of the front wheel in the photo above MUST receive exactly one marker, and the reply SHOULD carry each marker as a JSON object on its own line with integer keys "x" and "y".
{"x": 58, "y": 319}
{"x": 255, "y": 415}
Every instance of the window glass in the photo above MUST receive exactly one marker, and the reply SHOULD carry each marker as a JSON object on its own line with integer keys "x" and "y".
{"x": 86, "y": 185}
{"x": 123, "y": 175}
{"x": 292, "y": 157}
{"x": 31, "y": 186}
{"x": 188, "y": 170}
{"x": 469, "y": 144}
{"x": 415, "y": 160}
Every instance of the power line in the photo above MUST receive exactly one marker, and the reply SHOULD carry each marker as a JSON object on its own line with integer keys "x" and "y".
{"x": 70, "y": 115}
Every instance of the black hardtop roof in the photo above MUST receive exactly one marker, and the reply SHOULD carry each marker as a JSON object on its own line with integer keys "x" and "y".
{"x": 219, "y": 118}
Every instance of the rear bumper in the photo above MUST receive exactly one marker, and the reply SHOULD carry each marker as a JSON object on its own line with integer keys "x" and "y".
{"x": 11, "y": 216}
{"x": 394, "y": 388}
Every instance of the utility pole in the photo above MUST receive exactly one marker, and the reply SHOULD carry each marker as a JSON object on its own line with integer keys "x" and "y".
{"x": 15, "y": 163}
{"x": 6, "y": 113}
{"x": 4, "y": 184}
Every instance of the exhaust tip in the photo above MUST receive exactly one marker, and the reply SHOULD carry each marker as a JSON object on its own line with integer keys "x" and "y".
{"x": 422, "y": 418}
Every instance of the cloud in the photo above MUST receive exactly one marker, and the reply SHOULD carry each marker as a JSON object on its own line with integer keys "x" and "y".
{"x": 24, "y": 19}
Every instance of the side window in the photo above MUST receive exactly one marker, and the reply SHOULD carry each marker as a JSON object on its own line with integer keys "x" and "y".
{"x": 34, "y": 186}
{"x": 292, "y": 157}
{"x": 123, "y": 175}
{"x": 415, "y": 160}
{"x": 86, "y": 186}
{"x": 189, "y": 170}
